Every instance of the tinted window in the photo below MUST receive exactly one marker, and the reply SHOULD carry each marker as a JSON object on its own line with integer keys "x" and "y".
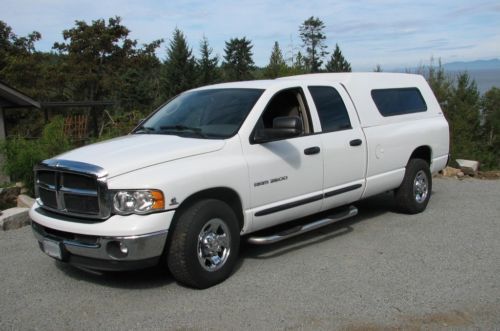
{"x": 331, "y": 109}
{"x": 399, "y": 101}
{"x": 211, "y": 113}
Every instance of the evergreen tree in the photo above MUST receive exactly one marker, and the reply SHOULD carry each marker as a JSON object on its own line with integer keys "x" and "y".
{"x": 440, "y": 84}
{"x": 463, "y": 118}
{"x": 179, "y": 72}
{"x": 208, "y": 71}
{"x": 300, "y": 64}
{"x": 313, "y": 38}
{"x": 491, "y": 115}
{"x": 238, "y": 62}
{"x": 337, "y": 62}
{"x": 377, "y": 68}
{"x": 277, "y": 65}
{"x": 207, "y": 65}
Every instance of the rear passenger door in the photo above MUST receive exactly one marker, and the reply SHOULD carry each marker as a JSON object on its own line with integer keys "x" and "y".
{"x": 343, "y": 145}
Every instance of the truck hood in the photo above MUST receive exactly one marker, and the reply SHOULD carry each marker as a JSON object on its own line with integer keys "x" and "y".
{"x": 132, "y": 152}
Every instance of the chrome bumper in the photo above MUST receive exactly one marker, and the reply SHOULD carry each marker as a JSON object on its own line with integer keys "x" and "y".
{"x": 105, "y": 253}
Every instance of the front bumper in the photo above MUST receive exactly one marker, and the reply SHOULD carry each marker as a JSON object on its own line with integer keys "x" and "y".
{"x": 103, "y": 252}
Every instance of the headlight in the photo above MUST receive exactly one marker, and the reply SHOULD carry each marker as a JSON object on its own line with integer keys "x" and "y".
{"x": 138, "y": 201}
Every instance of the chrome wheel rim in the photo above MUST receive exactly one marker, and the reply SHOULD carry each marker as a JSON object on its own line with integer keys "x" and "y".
{"x": 214, "y": 244}
{"x": 420, "y": 187}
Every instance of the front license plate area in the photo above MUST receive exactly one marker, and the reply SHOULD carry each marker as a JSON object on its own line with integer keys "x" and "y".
{"x": 52, "y": 248}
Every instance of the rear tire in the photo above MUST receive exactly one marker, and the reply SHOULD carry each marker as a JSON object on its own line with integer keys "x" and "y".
{"x": 204, "y": 244}
{"x": 414, "y": 193}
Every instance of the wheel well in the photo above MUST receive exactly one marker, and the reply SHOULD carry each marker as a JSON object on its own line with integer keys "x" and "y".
{"x": 422, "y": 152}
{"x": 225, "y": 194}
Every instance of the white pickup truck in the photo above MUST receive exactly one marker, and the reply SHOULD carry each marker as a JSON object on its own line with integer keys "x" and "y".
{"x": 224, "y": 162}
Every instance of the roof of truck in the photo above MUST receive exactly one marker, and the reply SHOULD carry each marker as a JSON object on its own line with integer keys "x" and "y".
{"x": 359, "y": 86}
{"x": 351, "y": 78}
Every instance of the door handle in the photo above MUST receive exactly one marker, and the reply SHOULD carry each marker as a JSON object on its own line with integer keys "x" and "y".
{"x": 311, "y": 150}
{"x": 356, "y": 142}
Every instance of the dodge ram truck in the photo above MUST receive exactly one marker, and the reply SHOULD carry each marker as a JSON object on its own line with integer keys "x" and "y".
{"x": 240, "y": 161}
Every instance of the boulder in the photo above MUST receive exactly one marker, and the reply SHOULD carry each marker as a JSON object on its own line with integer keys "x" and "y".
{"x": 8, "y": 196}
{"x": 14, "y": 218}
{"x": 450, "y": 172}
{"x": 469, "y": 167}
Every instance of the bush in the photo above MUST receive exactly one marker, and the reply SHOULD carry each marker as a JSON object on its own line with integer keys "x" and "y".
{"x": 21, "y": 154}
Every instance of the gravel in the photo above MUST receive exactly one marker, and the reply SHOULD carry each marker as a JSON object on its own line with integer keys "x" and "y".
{"x": 378, "y": 270}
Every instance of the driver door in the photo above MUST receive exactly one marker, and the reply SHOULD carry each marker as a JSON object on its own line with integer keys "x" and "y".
{"x": 286, "y": 175}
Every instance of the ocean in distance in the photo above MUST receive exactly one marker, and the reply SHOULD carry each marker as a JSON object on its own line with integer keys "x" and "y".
{"x": 485, "y": 78}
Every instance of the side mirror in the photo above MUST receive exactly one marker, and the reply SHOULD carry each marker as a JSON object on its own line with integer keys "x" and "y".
{"x": 283, "y": 127}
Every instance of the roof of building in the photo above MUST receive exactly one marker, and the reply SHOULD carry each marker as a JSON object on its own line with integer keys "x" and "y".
{"x": 12, "y": 98}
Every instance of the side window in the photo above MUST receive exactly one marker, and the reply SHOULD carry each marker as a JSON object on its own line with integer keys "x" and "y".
{"x": 289, "y": 102}
{"x": 331, "y": 109}
{"x": 399, "y": 101}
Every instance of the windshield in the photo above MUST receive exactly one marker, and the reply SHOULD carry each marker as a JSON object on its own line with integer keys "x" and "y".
{"x": 213, "y": 113}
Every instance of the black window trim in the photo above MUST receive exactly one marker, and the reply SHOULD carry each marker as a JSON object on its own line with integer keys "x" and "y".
{"x": 347, "y": 112}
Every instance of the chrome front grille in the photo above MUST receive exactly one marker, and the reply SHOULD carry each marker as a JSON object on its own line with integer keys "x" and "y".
{"x": 72, "y": 188}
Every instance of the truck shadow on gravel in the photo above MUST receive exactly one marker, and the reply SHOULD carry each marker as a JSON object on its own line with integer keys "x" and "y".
{"x": 131, "y": 280}
{"x": 367, "y": 209}
{"x": 159, "y": 277}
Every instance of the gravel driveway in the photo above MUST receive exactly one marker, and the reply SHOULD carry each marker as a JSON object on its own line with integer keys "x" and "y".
{"x": 378, "y": 270}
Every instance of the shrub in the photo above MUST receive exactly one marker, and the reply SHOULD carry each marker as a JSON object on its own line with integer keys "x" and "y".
{"x": 21, "y": 154}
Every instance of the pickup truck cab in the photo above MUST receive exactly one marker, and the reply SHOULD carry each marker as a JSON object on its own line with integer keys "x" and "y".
{"x": 228, "y": 161}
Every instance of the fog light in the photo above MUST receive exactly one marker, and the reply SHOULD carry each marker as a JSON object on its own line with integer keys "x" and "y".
{"x": 123, "y": 248}
{"x": 117, "y": 249}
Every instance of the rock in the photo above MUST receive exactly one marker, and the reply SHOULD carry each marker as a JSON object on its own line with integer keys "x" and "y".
{"x": 469, "y": 167}
{"x": 25, "y": 201}
{"x": 450, "y": 172}
{"x": 14, "y": 218}
{"x": 8, "y": 197}
{"x": 460, "y": 174}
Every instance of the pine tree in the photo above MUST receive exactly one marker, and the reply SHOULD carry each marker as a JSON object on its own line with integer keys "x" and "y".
{"x": 238, "y": 62}
{"x": 463, "y": 118}
{"x": 277, "y": 65}
{"x": 179, "y": 67}
{"x": 300, "y": 63}
{"x": 377, "y": 68}
{"x": 440, "y": 84}
{"x": 491, "y": 115}
{"x": 337, "y": 62}
{"x": 313, "y": 38}
{"x": 207, "y": 65}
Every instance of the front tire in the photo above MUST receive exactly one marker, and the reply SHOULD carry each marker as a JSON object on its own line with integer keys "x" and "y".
{"x": 414, "y": 193}
{"x": 204, "y": 244}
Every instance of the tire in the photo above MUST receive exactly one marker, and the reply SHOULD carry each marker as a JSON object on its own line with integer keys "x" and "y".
{"x": 414, "y": 193}
{"x": 204, "y": 244}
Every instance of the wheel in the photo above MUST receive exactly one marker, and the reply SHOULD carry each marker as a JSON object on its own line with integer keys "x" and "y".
{"x": 204, "y": 244}
{"x": 414, "y": 193}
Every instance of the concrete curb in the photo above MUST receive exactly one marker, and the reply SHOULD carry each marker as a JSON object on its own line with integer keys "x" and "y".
{"x": 14, "y": 218}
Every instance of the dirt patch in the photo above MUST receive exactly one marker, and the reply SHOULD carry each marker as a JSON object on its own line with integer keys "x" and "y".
{"x": 488, "y": 174}
{"x": 452, "y": 319}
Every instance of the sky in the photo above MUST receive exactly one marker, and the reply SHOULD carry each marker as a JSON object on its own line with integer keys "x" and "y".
{"x": 393, "y": 34}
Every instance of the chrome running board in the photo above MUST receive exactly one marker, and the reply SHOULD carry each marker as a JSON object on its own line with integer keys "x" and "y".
{"x": 300, "y": 229}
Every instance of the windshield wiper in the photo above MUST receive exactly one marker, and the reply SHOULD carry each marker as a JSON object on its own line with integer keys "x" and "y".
{"x": 182, "y": 128}
{"x": 144, "y": 129}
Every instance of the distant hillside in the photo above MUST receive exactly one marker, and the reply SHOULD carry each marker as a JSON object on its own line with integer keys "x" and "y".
{"x": 473, "y": 65}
